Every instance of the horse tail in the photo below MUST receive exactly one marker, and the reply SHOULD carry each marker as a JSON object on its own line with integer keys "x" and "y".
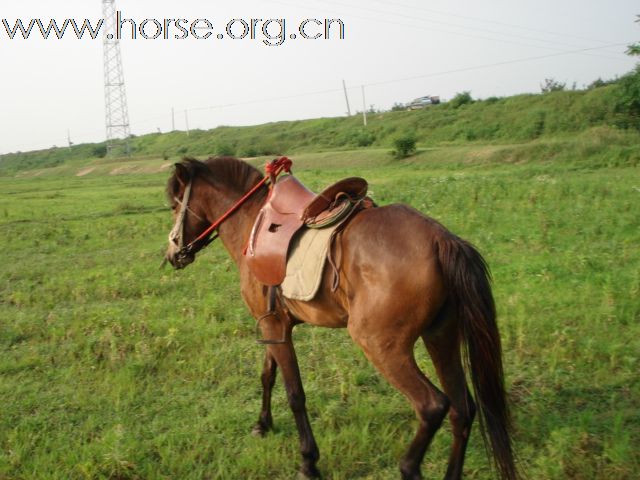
{"x": 467, "y": 278}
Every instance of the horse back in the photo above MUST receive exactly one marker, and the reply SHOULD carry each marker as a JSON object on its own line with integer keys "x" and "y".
{"x": 387, "y": 260}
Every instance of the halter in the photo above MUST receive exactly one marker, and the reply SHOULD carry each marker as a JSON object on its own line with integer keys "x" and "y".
{"x": 177, "y": 232}
{"x": 272, "y": 169}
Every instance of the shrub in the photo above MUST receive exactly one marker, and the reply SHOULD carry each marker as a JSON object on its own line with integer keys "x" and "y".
{"x": 627, "y": 105}
{"x": 460, "y": 99}
{"x": 225, "y": 150}
{"x": 100, "y": 151}
{"x": 271, "y": 147}
{"x": 599, "y": 83}
{"x": 536, "y": 120}
{"x": 552, "y": 85}
{"x": 249, "y": 151}
{"x": 404, "y": 145}
{"x": 359, "y": 138}
{"x": 364, "y": 139}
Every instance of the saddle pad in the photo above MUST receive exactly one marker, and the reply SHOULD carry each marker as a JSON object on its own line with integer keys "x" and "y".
{"x": 305, "y": 262}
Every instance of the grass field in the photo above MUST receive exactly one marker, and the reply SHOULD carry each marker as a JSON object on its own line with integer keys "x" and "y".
{"x": 111, "y": 368}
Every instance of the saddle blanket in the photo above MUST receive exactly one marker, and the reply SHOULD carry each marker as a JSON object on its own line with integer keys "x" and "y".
{"x": 305, "y": 262}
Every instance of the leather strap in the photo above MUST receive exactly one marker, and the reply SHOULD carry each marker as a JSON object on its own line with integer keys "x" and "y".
{"x": 273, "y": 298}
{"x": 178, "y": 228}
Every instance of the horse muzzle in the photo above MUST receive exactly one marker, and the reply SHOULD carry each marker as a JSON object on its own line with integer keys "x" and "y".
{"x": 179, "y": 259}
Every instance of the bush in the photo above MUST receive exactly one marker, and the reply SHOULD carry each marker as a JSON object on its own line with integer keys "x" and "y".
{"x": 364, "y": 139}
{"x": 360, "y": 138}
{"x": 100, "y": 151}
{"x": 627, "y": 106}
{"x": 536, "y": 119}
{"x": 249, "y": 151}
{"x": 269, "y": 147}
{"x": 225, "y": 150}
{"x": 460, "y": 99}
{"x": 552, "y": 85}
{"x": 405, "y": 146}
{"x": 599, "y": 83}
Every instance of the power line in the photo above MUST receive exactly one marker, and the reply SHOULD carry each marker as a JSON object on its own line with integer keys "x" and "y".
{"x": 404, "y": 79}
{"x": 463, "y": 34}
{"x": 390, "y": 81}
{"x": 265, "y": 100}
{"x": 478, "y": 19}
{"x": 491, "y": 65}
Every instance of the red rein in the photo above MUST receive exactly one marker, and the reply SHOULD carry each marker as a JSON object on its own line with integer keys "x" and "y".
{"x": 272, "y": 169}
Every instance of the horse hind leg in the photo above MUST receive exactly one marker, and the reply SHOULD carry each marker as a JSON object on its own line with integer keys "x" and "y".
{"x": 397, "y": 364}
{"x": 444, "y": 349}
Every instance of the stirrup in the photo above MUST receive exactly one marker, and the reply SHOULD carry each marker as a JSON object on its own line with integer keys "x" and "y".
{"x": 263, "y": 341}
{"x": 271, "y": 312}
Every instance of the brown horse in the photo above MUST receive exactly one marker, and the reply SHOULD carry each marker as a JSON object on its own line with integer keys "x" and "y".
{"x": 402, "y": 276}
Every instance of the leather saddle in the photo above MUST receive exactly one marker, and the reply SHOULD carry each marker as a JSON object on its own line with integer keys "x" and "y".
{"x": 290, "y": 206}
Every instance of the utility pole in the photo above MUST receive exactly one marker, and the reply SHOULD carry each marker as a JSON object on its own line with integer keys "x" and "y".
{"x": 173, "y": 119}
{"x": 69, "y": 138}
{"x": 186, "y": 119}
{"x": 115, "y": 96}
{"x": 346, "y": 97}
{"x": 364, "y": 108}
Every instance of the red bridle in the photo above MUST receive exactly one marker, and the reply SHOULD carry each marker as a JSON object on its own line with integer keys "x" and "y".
{"x": 272, "y": 170}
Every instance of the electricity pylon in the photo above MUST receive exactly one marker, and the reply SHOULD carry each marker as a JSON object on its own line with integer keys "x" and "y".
{"x": 115, "y": 95}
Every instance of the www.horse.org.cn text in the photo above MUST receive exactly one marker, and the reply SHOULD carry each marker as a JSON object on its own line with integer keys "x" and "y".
{"x": 272, "y": 32}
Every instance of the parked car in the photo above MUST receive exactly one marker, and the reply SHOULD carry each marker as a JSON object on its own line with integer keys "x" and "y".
{"x": 422, "y": 102}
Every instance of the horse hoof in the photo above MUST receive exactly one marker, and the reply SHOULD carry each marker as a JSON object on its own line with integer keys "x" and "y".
{"x": 308, "y": 476}
{"x": 411, "y": 476}
{"x": 262, "y": 426}
{"x": 259, "y": 430}
{"x": 407, "y": 474}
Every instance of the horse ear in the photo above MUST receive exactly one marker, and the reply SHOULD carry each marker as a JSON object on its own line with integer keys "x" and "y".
{"x": 182, "y": 174}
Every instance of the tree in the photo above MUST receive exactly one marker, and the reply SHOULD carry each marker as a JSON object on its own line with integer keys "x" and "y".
{"x": 634, "y": 48}
{"x": 597, "y": 83}
{"x": 628, "y": 102}
{"x": 552, "y": 85}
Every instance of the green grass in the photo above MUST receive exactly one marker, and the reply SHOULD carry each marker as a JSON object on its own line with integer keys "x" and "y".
{"x": 113, "y": 368}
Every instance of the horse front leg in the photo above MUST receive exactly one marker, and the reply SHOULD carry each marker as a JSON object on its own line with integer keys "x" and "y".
{"x": 285, "y": 356}
{"x": 268, "y": 377}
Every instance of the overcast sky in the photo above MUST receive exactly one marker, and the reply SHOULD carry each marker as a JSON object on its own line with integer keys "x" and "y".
{"x": 398, "y": 50}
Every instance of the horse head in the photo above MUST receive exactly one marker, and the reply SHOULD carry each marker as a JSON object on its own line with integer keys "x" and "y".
{"x": 185, "y": 195}
{"x": 203, "y": 195}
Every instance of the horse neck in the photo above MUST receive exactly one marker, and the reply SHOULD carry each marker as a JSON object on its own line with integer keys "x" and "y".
{"x": 234, "y": 231}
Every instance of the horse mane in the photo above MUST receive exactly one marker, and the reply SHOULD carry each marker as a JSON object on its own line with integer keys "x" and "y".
{"x": 229, "y": 172}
